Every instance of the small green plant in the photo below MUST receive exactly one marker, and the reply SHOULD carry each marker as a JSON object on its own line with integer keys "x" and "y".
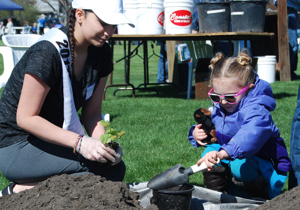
{"x": 111, "y": 134}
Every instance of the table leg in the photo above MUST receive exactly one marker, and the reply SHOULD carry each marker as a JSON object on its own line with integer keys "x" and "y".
{"x": 127, "y": 71}
{"x": 146, "y": 69}
{"x": 126, "y": 75}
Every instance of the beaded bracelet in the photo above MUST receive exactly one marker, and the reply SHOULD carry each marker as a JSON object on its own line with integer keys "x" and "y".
{"x": 78, "y": 150}
{"x": 76, "y": 143}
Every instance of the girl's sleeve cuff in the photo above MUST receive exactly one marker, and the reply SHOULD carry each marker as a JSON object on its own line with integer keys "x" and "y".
{"x": 231, "y": 149}
{"x": 191, "y": 138}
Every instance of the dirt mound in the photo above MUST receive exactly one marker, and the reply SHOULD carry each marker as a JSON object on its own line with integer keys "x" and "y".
{"x": 288, "y": 200}
{"x": 75, "y": 192}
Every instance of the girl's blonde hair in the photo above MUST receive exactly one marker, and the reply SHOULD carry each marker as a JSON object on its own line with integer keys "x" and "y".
{"x": 237, "y": 68}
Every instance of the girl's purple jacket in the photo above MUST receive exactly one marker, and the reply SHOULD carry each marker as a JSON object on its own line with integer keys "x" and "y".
{"x": 250, "y": 130}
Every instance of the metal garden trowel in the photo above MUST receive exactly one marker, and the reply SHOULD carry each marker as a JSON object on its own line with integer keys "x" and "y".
{"x": 174, "y": 176}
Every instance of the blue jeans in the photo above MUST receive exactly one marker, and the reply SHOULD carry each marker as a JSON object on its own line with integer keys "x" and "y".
{"x": 162, "y": 69}
{"x": 295, "y": 140}
{"x": 293, "y": 45}
{"x": 298, "y": 36}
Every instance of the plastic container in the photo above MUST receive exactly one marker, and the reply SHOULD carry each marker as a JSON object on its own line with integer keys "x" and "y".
{"x": 8, "y": 64}
{"x": 20, "y": 43}
{"x": 106, "y": 117}
{"x": 213, "y": 17}
{"x": 150, "y": 17}
{"x": 266, "y": 67}
{"x": 178, "y": 197}
{"x": 130, "y": 10}
{"x": 248, "y": 16}
{"x": 178, "y": 16}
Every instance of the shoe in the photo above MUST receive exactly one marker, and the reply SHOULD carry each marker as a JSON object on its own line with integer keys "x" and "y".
{"x": 255, "y": 188}
{"x": 294, "y": 76}
{"x": 8, "y": 190}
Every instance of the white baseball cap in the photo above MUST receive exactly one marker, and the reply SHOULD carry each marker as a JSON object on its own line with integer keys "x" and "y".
{"x": 109, "y": 11}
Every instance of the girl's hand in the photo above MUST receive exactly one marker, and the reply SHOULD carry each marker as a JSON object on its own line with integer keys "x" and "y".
{"x": 199, "y": 134}
{"x": 93, "y": 149}
{"x": 211, "y": 157}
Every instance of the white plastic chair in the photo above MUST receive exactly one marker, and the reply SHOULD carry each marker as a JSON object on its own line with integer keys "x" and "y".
{"x": 8, "y": 64}
{"x": 19, "y": 43}
{"x": 198, "y": 49}
{"x": 202, "y": 49}
{"x": 16, "y": 46}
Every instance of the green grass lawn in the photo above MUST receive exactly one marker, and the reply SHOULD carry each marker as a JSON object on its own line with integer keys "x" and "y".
{"x": 156, "y": 126}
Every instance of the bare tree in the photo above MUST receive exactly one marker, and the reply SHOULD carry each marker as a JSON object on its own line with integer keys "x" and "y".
{"x": 64, "y": 5}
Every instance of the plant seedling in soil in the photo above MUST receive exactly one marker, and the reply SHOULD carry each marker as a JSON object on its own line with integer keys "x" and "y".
{"x": 111, "y": 137}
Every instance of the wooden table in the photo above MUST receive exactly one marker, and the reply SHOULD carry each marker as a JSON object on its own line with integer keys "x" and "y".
{"x": 198, "y": 36}
{"x": 165, "y": 37}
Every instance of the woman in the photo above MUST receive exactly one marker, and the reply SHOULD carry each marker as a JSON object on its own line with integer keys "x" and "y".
{"x": 66, "y": 70}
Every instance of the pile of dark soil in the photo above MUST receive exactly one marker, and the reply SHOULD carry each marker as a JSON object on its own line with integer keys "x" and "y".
{"x": 288, "y": 200}
{"x": 82, "y": 192}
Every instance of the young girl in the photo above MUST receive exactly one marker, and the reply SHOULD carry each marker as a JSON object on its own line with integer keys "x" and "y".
{"x": 249, "y": 143}
{"x": 34, "y": 28}
{"x": 41, "y": 22}
{"x": 40, "y": 133}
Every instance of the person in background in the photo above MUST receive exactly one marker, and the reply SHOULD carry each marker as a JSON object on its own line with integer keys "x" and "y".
{"x": 162, "y": 68}
{"x": 9, "y": 26}
{"x": 195, "y": 21}
{"x": 1, "y": 29}
{"x": 34, "y": 28}
{"x": 41, "y": 22}
{"x": 66, "y": 70}
{"x": 26, "y": 28}
{"x": 248, "y": 142}
{"x": 298, "y": 31}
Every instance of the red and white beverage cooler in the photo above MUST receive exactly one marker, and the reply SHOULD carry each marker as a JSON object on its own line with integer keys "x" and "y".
{"x": 150, "y": 19}
{"x": 178, "y": 16}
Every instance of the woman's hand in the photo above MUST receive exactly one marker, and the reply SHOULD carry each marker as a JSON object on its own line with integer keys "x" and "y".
{"x": 93, "y": 149}
{"x": 211, "y": 157}
{"x": 199, "y": 134}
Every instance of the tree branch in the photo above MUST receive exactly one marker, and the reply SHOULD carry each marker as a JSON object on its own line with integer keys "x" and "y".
{"x": 47, "y": 2}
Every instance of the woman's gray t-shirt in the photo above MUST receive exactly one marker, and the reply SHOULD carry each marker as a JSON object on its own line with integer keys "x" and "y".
{"x": 43, "y": 60}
